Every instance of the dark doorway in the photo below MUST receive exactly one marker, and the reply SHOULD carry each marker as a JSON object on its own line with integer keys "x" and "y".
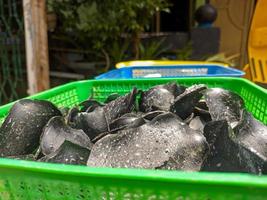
{"x": 178, "y": 19}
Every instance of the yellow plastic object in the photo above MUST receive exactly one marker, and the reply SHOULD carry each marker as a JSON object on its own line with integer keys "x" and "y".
{"x": 257, "y": 44}
{"x": 165, "y": 62}
{"x": 247, "y": 71}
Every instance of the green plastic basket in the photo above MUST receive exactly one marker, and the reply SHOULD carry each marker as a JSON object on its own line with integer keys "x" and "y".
{"x": 33, "y": 180}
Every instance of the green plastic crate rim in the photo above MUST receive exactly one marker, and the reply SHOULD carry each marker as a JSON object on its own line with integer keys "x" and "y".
{"x": 33, "y": 180}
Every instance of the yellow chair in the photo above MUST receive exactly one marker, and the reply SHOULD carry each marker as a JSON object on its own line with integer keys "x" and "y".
{"x": 257, "y": 44}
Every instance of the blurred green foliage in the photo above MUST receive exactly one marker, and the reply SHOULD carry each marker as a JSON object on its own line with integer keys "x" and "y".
{"x": 152, "y": 49}
{"x": 185, "y": 53}
{"x": 100, "y": 24}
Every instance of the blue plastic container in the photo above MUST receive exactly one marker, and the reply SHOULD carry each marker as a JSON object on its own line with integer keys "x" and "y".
{"x": 171, "y": 71}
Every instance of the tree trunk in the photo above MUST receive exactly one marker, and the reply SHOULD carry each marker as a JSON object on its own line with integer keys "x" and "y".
{"x": 107, "y": 58}
{"x": 36, "y": 45}
{"x": 136, "y": 44}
